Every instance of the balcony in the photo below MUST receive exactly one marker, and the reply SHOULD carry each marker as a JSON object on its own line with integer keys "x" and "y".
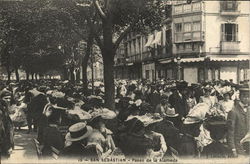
{"x": 195, "y": 36}
{"x": 229, "y": 47}
{"x": 134, "y": 58}
{"x": 229, "y": 8}
{"x": 188, "y": 51}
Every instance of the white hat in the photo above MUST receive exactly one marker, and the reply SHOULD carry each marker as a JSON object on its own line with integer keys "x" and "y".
{"x": 171, "y": 112}
{"x": 78, "y": 132}
{"x": 147, "y": 119}
{"x": 83, "y": 115}
{"x": 105, "y": 113}
{"x": 58, "y": 94}
{"x": 197, "y": 113}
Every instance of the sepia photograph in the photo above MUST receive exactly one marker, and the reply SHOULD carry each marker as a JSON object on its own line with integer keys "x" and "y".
{"x": 125, "y": 81}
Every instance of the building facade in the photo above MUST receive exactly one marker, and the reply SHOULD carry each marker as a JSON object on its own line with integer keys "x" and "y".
{"x": 212, "y": 40}
{"x": 204, "y": 41}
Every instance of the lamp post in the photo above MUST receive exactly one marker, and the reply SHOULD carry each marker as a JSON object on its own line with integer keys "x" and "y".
{"x": 178, "y": 68}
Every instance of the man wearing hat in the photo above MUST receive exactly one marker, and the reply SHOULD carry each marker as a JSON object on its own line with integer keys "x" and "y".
{"x": 218, "y": 129}
{"x": 238, "y": 123}
{"x": 77, "y": 135}
{"x": 178, "y": 101}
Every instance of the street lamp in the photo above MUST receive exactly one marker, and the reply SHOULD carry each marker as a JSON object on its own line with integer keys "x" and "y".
{"x": 178, "y": 68}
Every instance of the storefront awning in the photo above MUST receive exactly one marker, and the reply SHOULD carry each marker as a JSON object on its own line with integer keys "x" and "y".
{"x": 229, "y": 58}
{"x": 150, "y": 40}
{"x": 190, "y": 60}
{"x": 157, "y": 38}
{"x": 165, "y": 61}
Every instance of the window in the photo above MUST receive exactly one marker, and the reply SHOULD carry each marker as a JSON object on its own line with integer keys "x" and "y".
{"x": 229, "y": 32}
{"x": 187, "y": 36}
{"x": 187, "y": 8}
{"x": 244, "y": 73}
{"x": 230, "y": 5}
{"x": 195, "y": 47}
{"x": 187, "y": 27}
{"x": 196, "y": 6}
{"x": 169, "y": 74}
{"x": 210, "y": 74}
{"x": 178, "y": 9}
{"x": 178, "y": 27}
{"x": 201, "y": 75}
{"x": 196, "y": 26}
{"x": 216, "y": 74}
{"x": 188, "y": 46}
{"x": 147, "y": 74}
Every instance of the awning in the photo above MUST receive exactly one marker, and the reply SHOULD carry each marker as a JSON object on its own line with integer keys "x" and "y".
{"x": 229, "y": 57}
{"x": 150, "y": 40}
{"x": 157, "y": 38}
{"x": 190, "y": 60}
{"x": 164, "y": 61}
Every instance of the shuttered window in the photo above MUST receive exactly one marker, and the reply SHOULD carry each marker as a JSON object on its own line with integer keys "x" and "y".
{"x": 229, "y": 32}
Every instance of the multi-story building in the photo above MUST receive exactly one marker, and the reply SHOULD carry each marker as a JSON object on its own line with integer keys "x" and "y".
{"x": 138, "y": 56}
{"x": 205, "y": 40}
{"x": 211, "y": 38}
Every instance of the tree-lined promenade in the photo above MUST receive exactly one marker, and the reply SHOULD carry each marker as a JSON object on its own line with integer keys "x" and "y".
{"x": 40, "y": 36}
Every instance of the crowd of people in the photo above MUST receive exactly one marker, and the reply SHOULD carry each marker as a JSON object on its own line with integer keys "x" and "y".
{"x": 163, "y": 119}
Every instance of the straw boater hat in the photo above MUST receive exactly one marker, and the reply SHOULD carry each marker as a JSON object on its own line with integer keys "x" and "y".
{"x": 78, "y": 132}
{"x": 171, "y": 112}
{"x": 5, "y": 94}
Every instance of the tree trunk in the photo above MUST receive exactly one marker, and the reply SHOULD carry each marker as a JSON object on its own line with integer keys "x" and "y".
{"x": 108, "y": 62}
{"x": 8, "y": 73}
{"x": 85, "y": 63}
{"x": 78, "y": 76}
{"x": 32, "y": 76}
{"x": 36, "y": 77}
{"x": 72, "y": 76}
{"x": 108, "y": 54}
{"x": 17, "y": 74}
{"x": 27, "y": 75}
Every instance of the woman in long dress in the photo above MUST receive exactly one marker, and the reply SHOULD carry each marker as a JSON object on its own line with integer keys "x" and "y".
{"x": 19, "y": 117}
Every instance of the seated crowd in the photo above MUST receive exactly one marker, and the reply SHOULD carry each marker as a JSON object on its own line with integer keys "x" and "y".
{"x": 165, "y": 119}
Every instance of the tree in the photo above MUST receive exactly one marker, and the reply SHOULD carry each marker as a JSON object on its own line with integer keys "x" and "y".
{"x": 117, "y": 19}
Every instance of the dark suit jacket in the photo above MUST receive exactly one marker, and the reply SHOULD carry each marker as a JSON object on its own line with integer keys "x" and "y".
{"x": 154, "y": 99}
{"x": 77, "y": 151}
{"x": 179, "y": 104}
{"x": 237, "y": 123}
{"x": 36, "y": 106}
{"x": 215, "y": 150}
{"x": 52, "y": 137}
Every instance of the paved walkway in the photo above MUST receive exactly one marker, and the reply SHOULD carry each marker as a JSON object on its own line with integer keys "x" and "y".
{"x": 24, "y": 151}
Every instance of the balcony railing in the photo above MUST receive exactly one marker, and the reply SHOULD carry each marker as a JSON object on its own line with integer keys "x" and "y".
{"x": 189, "y": 36}
{"x": 188, "y": 51}
{"x": 134, "y": 58}
{"x": 229, "y": 8}
{"x": 229, "y": 47}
